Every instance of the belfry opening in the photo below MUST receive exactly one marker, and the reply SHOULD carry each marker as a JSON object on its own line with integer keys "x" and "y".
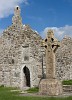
{"x": 27, "y": 76}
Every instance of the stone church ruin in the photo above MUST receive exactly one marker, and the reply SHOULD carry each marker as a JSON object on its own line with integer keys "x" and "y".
{"x": 22, "y": 56}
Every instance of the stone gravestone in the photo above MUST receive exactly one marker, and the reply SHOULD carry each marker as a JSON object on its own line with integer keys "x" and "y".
{"x": 50, "y": 85}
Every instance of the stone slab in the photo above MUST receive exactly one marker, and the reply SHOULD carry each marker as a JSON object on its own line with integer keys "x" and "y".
{"x": 50, "y": 87}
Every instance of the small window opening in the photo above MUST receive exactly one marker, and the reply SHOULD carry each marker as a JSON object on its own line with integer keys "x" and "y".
{"x": 26, "y": 58}
{"x": 17, "y": 8}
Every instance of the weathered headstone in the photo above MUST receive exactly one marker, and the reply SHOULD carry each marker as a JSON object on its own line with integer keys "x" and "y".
{"x": 50, "y": 85}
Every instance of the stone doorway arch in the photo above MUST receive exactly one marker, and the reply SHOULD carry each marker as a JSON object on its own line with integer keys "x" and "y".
{"x": 27, "y": 76}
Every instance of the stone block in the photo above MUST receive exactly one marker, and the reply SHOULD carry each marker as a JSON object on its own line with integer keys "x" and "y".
{"x": 50, "y": 87}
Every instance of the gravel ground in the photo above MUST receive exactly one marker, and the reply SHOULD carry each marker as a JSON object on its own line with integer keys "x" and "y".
{"x": 65, "y": 94}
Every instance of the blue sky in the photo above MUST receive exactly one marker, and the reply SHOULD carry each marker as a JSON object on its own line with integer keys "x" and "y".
{"x": 40, "y": 15}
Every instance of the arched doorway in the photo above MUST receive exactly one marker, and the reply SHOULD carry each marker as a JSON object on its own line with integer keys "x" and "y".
{"x": 27, "y": 76}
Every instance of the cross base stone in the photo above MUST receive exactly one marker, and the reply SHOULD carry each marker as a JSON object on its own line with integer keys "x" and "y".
{"x": 50, "y": 87}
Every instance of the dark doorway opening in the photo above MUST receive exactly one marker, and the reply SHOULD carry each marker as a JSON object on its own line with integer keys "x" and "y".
{"x": 27, "y": 75}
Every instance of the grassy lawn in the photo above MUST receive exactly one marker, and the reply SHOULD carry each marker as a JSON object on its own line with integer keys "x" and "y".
{"x": 33, "y": 90}
{"x": 67, "y": 82}
{"x": 6, "y": 94}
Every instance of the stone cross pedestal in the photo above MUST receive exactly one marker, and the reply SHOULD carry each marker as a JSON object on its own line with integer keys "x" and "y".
{"x": 50, "y": 85}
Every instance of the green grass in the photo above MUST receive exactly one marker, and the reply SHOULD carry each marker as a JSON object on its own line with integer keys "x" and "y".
{"x": 67, "y": 82}
{"x": 6, "y": 94}
{"x": 33, "y": 90}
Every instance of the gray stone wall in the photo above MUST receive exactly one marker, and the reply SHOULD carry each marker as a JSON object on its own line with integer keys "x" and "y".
{"x": 64, "y": 59}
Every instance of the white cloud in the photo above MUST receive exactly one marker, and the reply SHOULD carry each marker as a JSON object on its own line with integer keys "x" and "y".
{"x": 7, "y": 7}
{"x": 26, "y": 2}
{"x": 59, "y": 32}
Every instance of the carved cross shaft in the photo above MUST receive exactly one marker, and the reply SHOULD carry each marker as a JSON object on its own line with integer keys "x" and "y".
{"x": 51, "y": 45}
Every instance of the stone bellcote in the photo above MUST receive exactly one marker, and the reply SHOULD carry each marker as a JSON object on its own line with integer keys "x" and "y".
{"x": 17, "y": 11}
{"x": 17, "y": 20}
